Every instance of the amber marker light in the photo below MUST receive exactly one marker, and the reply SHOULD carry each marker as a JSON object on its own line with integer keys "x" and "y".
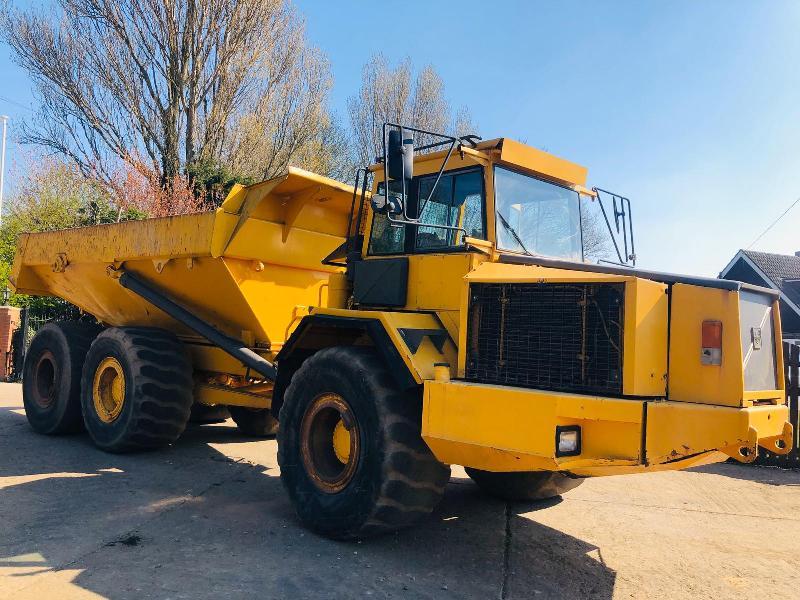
{"x": 711, "y": 353}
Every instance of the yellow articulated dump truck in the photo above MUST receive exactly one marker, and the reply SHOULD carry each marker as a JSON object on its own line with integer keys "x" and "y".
{"x": 438, "y": 312}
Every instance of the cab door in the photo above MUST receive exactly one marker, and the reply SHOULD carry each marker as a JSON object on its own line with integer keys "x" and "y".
{"x": 420, "y": 266}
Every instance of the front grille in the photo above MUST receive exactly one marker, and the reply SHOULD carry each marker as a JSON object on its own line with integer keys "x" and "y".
{"x": 550, "y": 336}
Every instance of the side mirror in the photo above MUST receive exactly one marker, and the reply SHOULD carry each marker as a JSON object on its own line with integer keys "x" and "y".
{"x": 400, "y": 156}
{"x": 387, "y": 205}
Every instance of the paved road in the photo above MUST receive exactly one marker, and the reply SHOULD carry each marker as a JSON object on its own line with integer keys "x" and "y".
{"x": 208, "y": 519}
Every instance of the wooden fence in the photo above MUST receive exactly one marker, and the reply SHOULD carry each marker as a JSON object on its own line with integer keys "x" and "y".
{"x": 791, "y": 363}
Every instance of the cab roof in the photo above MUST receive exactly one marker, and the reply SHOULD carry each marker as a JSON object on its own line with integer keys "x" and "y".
{"x": 520, "y": 156}
{"x": 512, "y": 152}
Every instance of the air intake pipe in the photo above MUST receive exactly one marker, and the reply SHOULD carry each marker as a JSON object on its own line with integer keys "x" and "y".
{"x": 232, "y": 346}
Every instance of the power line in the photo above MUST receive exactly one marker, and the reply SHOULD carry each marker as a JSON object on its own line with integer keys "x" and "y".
{"x": 775, "y": 222}
{"x": 10, "y": 101}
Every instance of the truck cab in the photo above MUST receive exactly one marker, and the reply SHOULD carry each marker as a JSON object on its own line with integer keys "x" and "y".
{"x": 528, "y": 356}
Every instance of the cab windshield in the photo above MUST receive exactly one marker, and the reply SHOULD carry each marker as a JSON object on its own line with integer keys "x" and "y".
{"x": 536, "y": 217}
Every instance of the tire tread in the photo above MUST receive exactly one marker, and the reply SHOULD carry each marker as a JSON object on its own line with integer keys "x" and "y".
{"x": 162, "y": 394}
{"x": 412, "y": 479}
{"x": 77, "y": 337}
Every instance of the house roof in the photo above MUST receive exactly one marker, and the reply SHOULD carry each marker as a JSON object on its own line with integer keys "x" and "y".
{"x": 779, "y": 267}
{"x": 781, "y": 272}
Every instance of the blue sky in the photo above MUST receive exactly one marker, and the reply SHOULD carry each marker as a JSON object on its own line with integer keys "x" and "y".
{"x": 690, "y": 108}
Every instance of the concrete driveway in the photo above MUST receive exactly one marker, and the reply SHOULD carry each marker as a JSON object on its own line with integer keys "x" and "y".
{"x": 208, "y": 519}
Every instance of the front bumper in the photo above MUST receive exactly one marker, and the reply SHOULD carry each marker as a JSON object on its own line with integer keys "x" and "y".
{"x": 498, "y": 428}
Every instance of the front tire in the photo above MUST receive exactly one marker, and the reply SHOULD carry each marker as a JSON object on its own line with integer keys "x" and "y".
{"x": 350, "y": 451}
{"x": 136, "y": 389}
{"x": 52, "y": 377}
{"x": 523, "y": 486}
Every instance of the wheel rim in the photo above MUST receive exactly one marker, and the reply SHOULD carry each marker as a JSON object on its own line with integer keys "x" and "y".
{"x": 46, "y": 375}
{"x": 329, "y": 440}
{"x": 341, "y": 442}
{"x": 108, "y": 389}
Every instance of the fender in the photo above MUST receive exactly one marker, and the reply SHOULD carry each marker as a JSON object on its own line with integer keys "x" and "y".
{"x": 410, "y": 344}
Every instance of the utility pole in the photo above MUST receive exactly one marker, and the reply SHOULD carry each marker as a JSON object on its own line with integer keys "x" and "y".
{"x": 4, "y": 119}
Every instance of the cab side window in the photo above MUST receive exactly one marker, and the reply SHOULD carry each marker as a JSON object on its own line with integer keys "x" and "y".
{"x": 457, "y": 201}
{"x": 438, "y": 209}
{"x": 469, "y": 191}
{"x": 386, "y": 238}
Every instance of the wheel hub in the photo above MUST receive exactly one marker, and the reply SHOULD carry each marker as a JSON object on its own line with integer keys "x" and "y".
{"x": 45, "y": 388}
{"x": 341, "y": 442}
{"x": 108, "y": 389}
{"x": 329, "y": 442}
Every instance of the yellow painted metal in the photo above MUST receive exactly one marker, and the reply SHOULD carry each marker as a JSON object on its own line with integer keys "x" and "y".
{"x": 243, "y": 268}
{"x": 499, "y": 428}
{"x": 168, "y": 237}
{"x": 542, "y": 163}
{"x": 299, "y": 201}
{"x": 206, "y": 357}
{"x": 644, "y": 367}
{"x": 681, "y": 429}
{"x": 451, "y": 321}
{"x": 517, "y": 430}
{"x": 213, "y": 395}
{"x": 435, "y": 281}
{"x": 420, "y": 363}
{"x": 341, "y": 442}
{"x": 698, "y": 460}
{"x": 504, "y": 151}
{"x": 338, "y": 291}
{"x": 689, "y": 379}
{"x": 108, "y": 389}
{"x": 779, "y": 444}
{"x": 511, "y": 273}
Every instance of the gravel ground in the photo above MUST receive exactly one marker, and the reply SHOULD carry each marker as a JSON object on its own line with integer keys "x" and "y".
{"x": 208, "y": 519}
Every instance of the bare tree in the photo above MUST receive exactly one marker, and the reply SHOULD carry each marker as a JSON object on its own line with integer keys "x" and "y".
{"x": 397, "y": 95}
{"x": 597, "y": 244}
{"x": 163, "y": 83}
{"x": 288, "y": 122}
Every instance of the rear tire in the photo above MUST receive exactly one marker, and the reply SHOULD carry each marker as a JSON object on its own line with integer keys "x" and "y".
{"x": 522, "y": 486}
{"x": 136, "y": 389}
{"x": 51, "y": 379}
{"x": 386, "y": 477}
{"x": 257, "y": 422}
{"x": 203, "y": 414}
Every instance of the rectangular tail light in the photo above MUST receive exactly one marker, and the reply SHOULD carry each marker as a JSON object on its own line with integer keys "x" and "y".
{"x": 711, "y": 353}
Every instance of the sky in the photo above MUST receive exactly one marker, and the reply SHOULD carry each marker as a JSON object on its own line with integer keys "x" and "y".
{"x": 689, "y": 108}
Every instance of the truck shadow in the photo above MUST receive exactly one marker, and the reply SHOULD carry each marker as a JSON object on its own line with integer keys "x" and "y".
{"x": 757, "y": 473}
{"x": 190, "y": 521}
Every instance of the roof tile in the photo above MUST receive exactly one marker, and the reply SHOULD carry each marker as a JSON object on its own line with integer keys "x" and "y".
{"x": 779, "y": 267}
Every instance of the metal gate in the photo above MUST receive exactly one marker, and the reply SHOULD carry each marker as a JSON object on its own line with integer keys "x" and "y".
{"x": 791, "y": 363}
{"x": 32, "y": 319}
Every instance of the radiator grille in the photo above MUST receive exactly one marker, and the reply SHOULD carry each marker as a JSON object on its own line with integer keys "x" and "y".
{"x": 563, "y": 337}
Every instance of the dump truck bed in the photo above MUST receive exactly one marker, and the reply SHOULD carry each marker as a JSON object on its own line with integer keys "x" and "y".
{"x": 244, "y": 268}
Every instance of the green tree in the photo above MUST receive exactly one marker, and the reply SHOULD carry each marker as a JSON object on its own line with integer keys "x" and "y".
{"x": 52, "y": 195}
{"x": 212, "y": 181}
